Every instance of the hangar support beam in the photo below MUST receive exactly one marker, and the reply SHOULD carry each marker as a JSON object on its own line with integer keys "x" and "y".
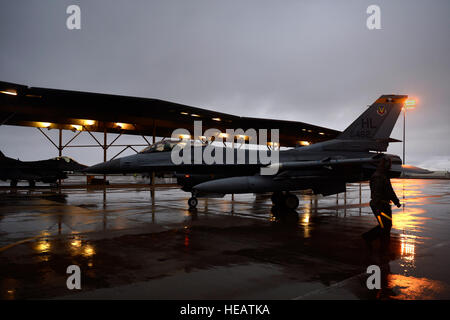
{"x": 105, "y": 146}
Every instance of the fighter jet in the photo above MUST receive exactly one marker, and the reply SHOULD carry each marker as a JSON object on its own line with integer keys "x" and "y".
{"x": 47, "y": 171}
{"x": 324, "y": 167}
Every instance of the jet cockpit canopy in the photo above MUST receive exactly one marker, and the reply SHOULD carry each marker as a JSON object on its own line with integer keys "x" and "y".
{"x": 65, "y": 158}
{"x": 166, "y": 145}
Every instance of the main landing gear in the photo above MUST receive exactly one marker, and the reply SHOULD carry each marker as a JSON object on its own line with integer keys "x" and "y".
{"x": 287, "y": 200}
{"x": 192, "y": 202}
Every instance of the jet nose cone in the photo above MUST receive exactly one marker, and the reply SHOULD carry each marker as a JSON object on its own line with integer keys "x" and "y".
{"x": 79, "y": 167}
{"x": 112, "y": 166}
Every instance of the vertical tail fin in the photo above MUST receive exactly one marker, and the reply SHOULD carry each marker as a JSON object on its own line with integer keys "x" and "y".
{"x": 377, "y": 122}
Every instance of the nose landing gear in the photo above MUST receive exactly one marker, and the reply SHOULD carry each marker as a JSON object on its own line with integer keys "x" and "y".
{"x": 193, "y": 201}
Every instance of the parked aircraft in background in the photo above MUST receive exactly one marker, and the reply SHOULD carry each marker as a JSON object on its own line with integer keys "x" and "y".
{"x": 47, "y": 171}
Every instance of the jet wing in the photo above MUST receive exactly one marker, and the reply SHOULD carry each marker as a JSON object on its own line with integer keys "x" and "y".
{"x": 408, "y": 169}
{"x": 21, "y": 175}
{"x": 326, "y": 163}
{"x": 330, "y": 163}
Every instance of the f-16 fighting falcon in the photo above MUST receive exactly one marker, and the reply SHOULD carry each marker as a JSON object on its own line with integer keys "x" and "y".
{"x": 47, "y": 171}
{"x": 324, "y": 167}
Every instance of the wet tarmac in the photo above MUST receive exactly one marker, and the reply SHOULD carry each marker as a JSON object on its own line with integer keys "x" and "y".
{"x": 130, "y": 247}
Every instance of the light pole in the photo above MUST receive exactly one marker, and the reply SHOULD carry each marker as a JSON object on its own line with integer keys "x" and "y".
{"x": 404, "y": 126}
{"x": 409, "y": 104}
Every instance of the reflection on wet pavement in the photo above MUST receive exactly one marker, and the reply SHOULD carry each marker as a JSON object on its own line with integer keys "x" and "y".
{"x": 412, "y": 288}
{"x": 126, "y": 244}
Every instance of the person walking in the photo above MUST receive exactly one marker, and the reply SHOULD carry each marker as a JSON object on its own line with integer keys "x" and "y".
{"x": 381, "y": 193}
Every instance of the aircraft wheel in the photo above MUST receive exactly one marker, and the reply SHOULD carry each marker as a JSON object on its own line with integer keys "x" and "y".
{"x": 291, "y": 201}
{"x": 13, "y": 183}
{"x": 192, "y": 202}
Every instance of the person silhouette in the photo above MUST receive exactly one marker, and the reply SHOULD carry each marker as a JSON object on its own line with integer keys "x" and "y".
{"x": 381, "y": 193}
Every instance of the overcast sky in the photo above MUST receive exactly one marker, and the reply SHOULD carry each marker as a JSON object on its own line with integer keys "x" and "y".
{"x": 311, "y": 61}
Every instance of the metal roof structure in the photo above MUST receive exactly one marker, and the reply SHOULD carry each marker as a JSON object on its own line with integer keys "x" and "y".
{"x": 21, "y": 105}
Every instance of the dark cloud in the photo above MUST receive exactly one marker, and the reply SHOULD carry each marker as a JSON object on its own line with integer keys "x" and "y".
{"x": 314, "y": 61}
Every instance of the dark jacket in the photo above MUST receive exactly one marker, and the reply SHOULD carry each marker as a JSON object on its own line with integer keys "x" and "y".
{"x": 381, "y": 188}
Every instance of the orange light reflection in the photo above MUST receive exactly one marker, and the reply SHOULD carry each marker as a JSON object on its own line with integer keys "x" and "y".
{"x": 411, "y": 288}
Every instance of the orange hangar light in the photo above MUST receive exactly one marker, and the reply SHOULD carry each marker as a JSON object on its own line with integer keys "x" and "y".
{"x": 11, "y": 92}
